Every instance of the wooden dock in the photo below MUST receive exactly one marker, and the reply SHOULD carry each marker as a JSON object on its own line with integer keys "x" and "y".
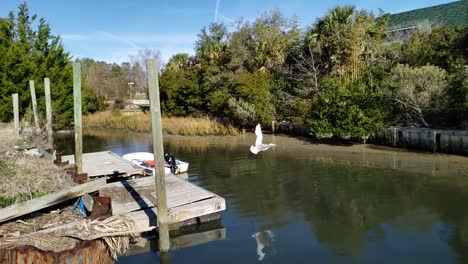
{"x": 186, "y": 201}
{"x": 106, "y": 163}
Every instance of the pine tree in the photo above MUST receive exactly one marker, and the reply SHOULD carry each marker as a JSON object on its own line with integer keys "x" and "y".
{"x": 31, "y": 52}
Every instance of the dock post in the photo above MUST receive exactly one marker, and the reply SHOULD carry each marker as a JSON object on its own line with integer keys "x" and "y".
{"x": 77, "y": 116}
{"x": 158, "y": 151}
{"x": 48, "y": 102}
{"x": 16, "y": 112}
{"x": 434, "y": 140}
{"x": 34, "y": 103}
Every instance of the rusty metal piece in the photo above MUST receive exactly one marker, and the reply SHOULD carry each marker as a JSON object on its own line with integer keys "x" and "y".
{"x": 77, "y": 177}
{"x": 58, "y": 160}
{"x": 85, "y": 252}
{"x": 101, "y": 207}
{"x": 80, "y": 177}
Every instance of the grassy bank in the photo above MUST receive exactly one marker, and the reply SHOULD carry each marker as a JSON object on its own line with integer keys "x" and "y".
{"x": 186, "y": 126}
{"x": 24, "y": 177}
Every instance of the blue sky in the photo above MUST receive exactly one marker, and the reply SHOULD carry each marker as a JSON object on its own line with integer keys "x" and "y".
{"x": 111, "y": 30}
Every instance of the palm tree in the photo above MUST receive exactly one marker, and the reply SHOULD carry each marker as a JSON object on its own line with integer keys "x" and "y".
{"x": 179, "y": 62}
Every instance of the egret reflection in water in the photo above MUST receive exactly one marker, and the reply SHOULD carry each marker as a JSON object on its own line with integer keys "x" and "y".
{"x": 263, "y": 239}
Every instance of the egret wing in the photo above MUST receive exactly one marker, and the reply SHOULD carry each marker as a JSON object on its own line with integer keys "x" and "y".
{"x": 258, "y": 133}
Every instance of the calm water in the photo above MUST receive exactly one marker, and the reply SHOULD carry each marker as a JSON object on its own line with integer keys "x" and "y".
{"x": 306, "y": 203}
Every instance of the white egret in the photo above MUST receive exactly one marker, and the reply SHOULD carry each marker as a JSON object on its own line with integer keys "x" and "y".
{"x": 259, "y": 146}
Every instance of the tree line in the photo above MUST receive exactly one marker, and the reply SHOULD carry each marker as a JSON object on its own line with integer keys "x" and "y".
{"x": 345, "y": 75}
{"x": 29, "y": 51}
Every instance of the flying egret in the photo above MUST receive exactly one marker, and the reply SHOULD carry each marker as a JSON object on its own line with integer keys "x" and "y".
{"x": 259, "y": 146}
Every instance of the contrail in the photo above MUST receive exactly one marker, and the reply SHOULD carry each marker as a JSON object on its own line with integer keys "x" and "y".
{"x": 216, "y": 10}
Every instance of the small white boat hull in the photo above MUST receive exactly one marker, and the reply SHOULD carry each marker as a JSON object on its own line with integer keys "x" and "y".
{"x": 139, "y": 159}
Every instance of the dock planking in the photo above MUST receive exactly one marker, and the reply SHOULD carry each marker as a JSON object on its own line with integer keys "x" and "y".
{"x": 185, "y": 200}
{"x": 137, "y": 198}
{"x": 183, "y": 197}
{"x": 105, "y": 163}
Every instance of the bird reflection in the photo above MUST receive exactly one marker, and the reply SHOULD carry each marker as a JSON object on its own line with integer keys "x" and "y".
{"x": 264, "y": 239}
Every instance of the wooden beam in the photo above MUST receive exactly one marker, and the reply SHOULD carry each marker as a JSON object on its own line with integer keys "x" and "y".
{"x": 198, "y": 209}
{"x": 45, "y": 201}
{"x": 146, "y": 218}
{"x": 34, "y": 103}
{"x": 158, "y": 151}
{"x": 77, "y": 116}
{"x": 48, "y": 102}
{"x": 16, "y": 112}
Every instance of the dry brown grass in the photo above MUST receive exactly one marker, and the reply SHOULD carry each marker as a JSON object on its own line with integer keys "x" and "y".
{"x": 24, "y": 177}
{"x": 8, "y": 138}
{"x": 186, "y": 126}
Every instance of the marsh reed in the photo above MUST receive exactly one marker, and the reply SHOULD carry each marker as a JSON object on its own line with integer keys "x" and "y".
{"x": 140, "y": 122}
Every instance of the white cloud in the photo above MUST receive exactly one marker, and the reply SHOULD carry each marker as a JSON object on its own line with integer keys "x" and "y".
{"x": 227, "y": 19}
{"x": 116, "y": 48}
{"x": 218, "y": 2}
{"x": 168, "y": 52}
{"x": 162, "y": 38}
{"x": 133, "y": 39}
{"x": 119, "y": 39}
{"x": 73, "y": 36}
{"x": 120, "y": 55}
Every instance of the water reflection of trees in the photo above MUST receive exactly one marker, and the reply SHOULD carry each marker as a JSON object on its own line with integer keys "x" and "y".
{"x": 342, "y": 195}
{"x": 341, "y": 202}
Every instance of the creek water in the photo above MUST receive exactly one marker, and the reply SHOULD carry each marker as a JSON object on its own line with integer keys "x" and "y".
{"x": 308, "y": 203}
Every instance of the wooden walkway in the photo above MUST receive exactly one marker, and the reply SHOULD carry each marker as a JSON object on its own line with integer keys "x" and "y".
{"x": 105, "y": 163}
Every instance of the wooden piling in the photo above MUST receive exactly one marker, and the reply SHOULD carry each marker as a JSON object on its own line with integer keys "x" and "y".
{"x": 48, "y": 102}
{"x": 158, "y": 151}
{"x": 34, "y": 103}
{"x": 77, "y": 116}
{"x": 16, "y": 112}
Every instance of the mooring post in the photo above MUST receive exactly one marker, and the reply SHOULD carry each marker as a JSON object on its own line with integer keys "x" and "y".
{"x": 77, "y": 116}
{"x": 434, "y": 140}
{"x": 165, "y": 257}
{"x": 158, "y": 151}
{"x": 48, "y": 102}
{"x": 16, "y": 112}
{"x": 34, "y": 103}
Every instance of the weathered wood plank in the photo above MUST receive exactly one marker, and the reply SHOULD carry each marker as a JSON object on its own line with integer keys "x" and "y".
{"x": 16, "y": 112}
{"x": 146, "y": 218}
{"x": 45, "y": 201}
{"x": 77, "y": 111}
{"x": 132, "y": 195}
{"x": 34, "y": 103}
{"x": 48, "y": 101}
{"x": 158, "y": 151}
{"x": 200, "y": 208}
{"x": 105, "y": 163}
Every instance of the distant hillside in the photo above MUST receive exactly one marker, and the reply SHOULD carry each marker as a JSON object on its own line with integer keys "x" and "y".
{"x": 455, "y": 13}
